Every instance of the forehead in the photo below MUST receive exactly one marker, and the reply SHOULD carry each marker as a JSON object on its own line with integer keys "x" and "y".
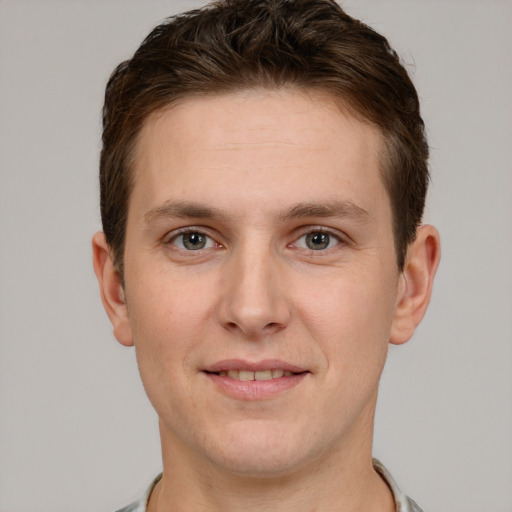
{"x": 271, "y": 140}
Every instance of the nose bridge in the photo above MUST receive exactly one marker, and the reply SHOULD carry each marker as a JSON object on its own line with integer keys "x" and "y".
{"x": 253, "y": 300}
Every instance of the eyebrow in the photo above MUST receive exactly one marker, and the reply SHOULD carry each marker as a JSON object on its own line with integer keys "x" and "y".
{"x": 341, "y": 209}
{"x": 186, "y": 209}
{"x": 183, "y": 209}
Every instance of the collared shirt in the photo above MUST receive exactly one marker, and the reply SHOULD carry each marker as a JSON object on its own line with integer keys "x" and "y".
{"x": 402, "y": 502}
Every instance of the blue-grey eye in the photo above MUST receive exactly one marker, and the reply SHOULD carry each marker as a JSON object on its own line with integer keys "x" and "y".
{"x": 317, "y": 241}
{"x": 193, "y": 241}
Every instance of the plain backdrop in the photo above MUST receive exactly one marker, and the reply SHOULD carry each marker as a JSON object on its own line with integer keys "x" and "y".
{"x": 77, "y": 433}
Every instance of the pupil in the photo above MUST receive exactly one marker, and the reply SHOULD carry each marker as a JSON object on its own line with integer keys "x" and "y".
{"x": 317, "y": 241}
{"x": 194, "y": 241}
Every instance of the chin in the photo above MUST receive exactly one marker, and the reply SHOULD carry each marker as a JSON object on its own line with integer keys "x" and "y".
{"x": 262, "y": 453}
{"x": 248, "y": 466}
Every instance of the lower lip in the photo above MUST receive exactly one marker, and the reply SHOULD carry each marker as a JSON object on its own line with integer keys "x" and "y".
{"x": 256, "y": 389}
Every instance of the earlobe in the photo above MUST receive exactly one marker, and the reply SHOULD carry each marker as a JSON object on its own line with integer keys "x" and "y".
{"x": 112, "y": 293}
{"x": 416, "y": 281}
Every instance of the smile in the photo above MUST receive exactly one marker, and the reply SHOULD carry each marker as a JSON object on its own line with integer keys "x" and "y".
{"x": 263, "y": 380}
{"x": 247, "y": 375}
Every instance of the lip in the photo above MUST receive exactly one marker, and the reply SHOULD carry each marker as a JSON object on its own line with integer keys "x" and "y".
{"x": 254, "y": 366}
{"x": 254, "y": 389}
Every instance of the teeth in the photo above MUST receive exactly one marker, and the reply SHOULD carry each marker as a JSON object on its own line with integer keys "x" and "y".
{"x": 246, "y": 375}
{"x": 263, "y": 375}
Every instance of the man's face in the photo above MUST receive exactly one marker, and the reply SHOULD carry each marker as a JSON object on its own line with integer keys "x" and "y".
{"x": 259, "y": 246}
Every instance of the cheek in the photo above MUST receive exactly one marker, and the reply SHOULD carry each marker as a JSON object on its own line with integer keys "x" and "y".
{"x": 349, "y": 324}
{"x": 163, "y": 304}
{"x": 168, "y": 319}
{"x": 350, "y": 319}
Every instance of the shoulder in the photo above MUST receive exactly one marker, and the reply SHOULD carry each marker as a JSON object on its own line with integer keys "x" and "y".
{"x": 141, "y": 504}
{"x": 136, "y": 506}
{"x": 403, "y": 502}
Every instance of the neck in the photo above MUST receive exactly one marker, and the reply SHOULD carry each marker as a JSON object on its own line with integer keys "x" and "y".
{"x": 341, "y": 481}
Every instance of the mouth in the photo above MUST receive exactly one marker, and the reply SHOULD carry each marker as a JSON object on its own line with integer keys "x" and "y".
{"x": 247, "y": 375}
{"x": 255, "y": 381}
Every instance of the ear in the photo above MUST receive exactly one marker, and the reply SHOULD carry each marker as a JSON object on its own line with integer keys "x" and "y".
{"x": 111, "y": 289}
{"x": 415, "y": 287}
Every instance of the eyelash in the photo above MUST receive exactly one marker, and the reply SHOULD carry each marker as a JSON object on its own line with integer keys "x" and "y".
{"x": 170, "y": 239}
{"x": 311, "y": 230}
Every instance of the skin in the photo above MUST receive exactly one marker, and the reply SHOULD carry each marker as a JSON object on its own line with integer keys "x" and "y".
{"x": 260, "y": 170}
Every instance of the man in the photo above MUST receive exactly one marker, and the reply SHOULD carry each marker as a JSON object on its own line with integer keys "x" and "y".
{"x": 263, "y": 178}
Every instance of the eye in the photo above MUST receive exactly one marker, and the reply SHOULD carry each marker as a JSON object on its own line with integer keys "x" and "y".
{"x": 317, "y": 241}
{"x": 192, "y": 241}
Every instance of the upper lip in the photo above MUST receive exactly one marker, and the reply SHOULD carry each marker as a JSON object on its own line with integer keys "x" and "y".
{"x": 254, "y": 366}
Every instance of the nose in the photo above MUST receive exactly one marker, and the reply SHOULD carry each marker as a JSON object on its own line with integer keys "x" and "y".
{"x": 253, "y": 298}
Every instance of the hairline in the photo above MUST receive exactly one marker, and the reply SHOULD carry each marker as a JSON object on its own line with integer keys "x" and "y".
{"x": 344, "y": 104}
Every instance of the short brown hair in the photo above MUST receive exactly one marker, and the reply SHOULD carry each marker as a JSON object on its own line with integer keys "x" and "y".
{"x": 237, "y": 44}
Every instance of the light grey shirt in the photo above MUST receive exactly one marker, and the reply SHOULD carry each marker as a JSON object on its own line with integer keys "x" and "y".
{"x": 402, "y": 502}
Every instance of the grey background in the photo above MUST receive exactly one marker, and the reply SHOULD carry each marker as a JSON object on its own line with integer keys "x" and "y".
{"x": 76, "y": 430}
